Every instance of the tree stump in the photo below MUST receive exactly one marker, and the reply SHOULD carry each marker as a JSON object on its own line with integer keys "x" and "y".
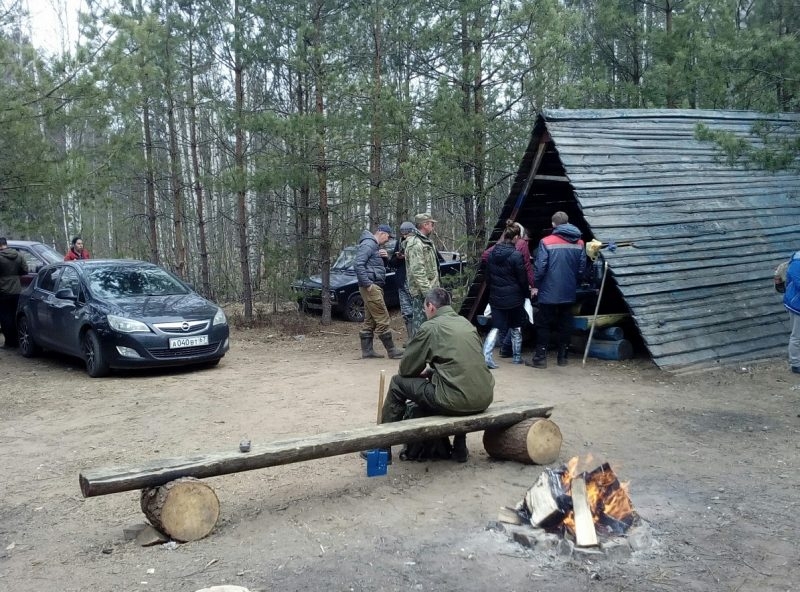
{"x": 185, "y": 509}
{"x": 532, "y": 441}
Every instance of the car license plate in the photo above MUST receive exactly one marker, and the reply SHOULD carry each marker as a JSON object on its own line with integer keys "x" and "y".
{"x": 179, "y": 342}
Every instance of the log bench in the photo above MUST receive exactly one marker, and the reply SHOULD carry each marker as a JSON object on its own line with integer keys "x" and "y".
{"x": 192, "y": 500}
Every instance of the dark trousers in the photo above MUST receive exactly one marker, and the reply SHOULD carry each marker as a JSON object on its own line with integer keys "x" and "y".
{"x": 8, "y": 313}
{"x": 419, "y": 390}
{"x": 554, "y": 317}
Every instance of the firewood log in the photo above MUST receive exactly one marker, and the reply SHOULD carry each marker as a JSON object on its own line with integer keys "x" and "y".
{"x": 185, "y": 509}
{"x": 532, "y": 441}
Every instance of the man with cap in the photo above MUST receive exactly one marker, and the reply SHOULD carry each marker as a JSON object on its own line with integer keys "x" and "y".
{"x": 371, "y": 275}
{"x": 422, "y": 266}
{"x": 397, "y": 262}
{"x": 12, "y": 266}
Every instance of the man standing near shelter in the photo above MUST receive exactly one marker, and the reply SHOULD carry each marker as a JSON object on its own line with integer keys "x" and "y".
{"x": 560, "y": 264}
{"x": 12, "y": 266}
{"x": 442, "y": 370}
{"x": 791, "y": 300}
{"x": 371, "y": 273}
{"x": 422, "y": 266}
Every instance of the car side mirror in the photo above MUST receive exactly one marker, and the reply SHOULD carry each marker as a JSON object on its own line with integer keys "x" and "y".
{"x": 66, "y": 294}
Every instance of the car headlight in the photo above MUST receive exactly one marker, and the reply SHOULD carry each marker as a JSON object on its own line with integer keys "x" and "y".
{"x": 124, "y": 325}
{"x": 219, "y": 318}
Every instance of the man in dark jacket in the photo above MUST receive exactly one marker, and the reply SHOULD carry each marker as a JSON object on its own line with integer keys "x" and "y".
{"x": 559, "y": 267}
{"x": 371, "y": 274}
{"x": 442, "y": 370}
{"x": 12, "y": 266}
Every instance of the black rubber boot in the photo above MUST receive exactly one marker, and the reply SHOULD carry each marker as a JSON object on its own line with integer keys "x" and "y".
{"x": 562, "y": 356}
{"x": 367, "y": 350}
{"x": 393, "y": 351}
{"x": 460, "y": 452}
{"x": 539, "y": 358}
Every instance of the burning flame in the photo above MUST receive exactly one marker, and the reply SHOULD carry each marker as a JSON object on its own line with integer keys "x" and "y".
{"x": 608, "y": 499}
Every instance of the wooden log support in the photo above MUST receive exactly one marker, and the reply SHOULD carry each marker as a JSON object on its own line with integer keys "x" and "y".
{"x": 185, "y": 509}
{"x": 532, "y": 441}
{"x": 117, "y": 479}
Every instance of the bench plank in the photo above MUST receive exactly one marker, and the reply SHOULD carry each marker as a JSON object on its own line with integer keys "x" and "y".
{"x": 153, "y": 474}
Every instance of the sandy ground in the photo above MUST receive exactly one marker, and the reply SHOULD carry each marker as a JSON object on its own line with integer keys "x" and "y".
{"x": 712, "y": 461}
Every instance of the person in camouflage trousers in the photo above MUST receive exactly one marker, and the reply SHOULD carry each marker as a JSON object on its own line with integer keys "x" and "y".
{"x": 422, "y": 267}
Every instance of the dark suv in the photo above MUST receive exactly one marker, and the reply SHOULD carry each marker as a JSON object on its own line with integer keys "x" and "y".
{"x": 345, "y": 297}
{"x": 36, "y": 255}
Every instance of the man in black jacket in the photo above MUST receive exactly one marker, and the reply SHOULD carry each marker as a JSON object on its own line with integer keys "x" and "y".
{"x": 371, "y": 273}
{"x": 12, "y": 266}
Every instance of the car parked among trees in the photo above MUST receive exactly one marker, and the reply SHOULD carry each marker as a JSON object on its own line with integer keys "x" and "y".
{"x": 119, "y": 314}
{"x": 36, "y": 255}
{"x": 346, "y": 300}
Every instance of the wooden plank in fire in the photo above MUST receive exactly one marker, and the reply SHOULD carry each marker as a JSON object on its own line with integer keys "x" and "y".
{"x": 585, "y": 533}
{"x": 542, "y": 500}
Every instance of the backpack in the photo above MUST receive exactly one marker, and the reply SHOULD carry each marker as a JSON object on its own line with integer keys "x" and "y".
{"x": 779, "y": 276}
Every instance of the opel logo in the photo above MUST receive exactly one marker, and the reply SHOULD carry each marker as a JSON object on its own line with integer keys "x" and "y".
{"x": 184, "y": 326}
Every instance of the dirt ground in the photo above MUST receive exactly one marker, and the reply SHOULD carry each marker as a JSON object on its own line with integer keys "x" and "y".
{"x": 712, "y": 461}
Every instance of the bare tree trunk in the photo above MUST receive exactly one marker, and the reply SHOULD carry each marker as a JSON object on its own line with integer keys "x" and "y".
{"x": 479, "y": 152}
{"x": 377, "y": 133}
{"x": 240, "y": 166}
{"x": 150, "y": 184}
{"x": 198, "y": 188}
{"x": 175, "y": 170}
{"x": 466, "y": 107}
{"x": 321, "y": 164}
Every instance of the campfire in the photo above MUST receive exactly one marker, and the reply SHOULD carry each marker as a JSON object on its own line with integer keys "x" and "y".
{"x": 583, "y": 506}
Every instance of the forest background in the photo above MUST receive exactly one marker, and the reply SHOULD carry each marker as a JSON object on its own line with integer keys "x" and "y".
{"x": 242, "y": 143}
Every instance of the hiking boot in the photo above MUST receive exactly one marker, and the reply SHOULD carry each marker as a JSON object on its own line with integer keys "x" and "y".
{"x": 539, "y": 358}
{"x": 393, "y": 351}
{"x": 460, "y": 452}
{"x": 367, "y": 350}
{"x": 561, "y": 360}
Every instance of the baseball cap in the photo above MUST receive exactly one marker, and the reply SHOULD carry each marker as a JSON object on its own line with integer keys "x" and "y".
{"x": 406, "y": 227}
{"x": 387, "y": 229}
{"x": 422, "y": 218}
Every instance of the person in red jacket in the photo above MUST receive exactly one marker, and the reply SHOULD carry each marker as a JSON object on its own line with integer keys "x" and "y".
{"x": 77, "y": 251}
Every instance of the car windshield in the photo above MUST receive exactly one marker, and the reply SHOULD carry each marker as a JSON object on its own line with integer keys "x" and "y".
{"x": 48, "y": 254}
{"x": 346, "y": 259}
{"x": 124, "y": 282}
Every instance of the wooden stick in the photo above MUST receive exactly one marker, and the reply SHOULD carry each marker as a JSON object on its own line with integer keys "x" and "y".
{"x": 380, "y": 395}
{"x": 596, "y": 310}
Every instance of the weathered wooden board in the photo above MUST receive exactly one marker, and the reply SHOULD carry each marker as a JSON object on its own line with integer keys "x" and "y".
{"x": 116, "y": 479}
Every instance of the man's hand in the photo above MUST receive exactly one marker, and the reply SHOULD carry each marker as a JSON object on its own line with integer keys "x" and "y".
{"x": 383, "y": 254}
{"x": 534, "y": 292}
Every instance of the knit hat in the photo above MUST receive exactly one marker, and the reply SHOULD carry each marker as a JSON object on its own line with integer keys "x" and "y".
{"x": 387, "y": 229}
{"x": 406, "y": 227}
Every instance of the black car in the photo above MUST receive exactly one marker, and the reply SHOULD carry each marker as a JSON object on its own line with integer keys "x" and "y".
{"x": 36, "y": 255}
{"x": 345, "y": 297}
{"x": 119, "y": 314}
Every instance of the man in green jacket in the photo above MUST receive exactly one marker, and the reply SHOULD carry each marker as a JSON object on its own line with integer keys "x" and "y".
{"x": 12, "y": 267}
{"x": 422, "y": 266}
{"x": 442, "y": 369}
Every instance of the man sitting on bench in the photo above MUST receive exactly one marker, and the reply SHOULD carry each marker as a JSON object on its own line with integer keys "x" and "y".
{"x": 442, "y": 370}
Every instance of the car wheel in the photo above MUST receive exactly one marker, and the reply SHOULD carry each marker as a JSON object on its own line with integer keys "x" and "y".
{"x": 354, "y": 309}
{"x": 96, "y": 363}
{"x": 27, "y": 345}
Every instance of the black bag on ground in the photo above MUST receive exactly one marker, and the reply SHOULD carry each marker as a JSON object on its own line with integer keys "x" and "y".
{"x": 434, "y": 449}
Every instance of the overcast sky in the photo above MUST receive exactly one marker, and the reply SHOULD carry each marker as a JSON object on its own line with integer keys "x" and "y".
{"x": 53, "y": 23}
